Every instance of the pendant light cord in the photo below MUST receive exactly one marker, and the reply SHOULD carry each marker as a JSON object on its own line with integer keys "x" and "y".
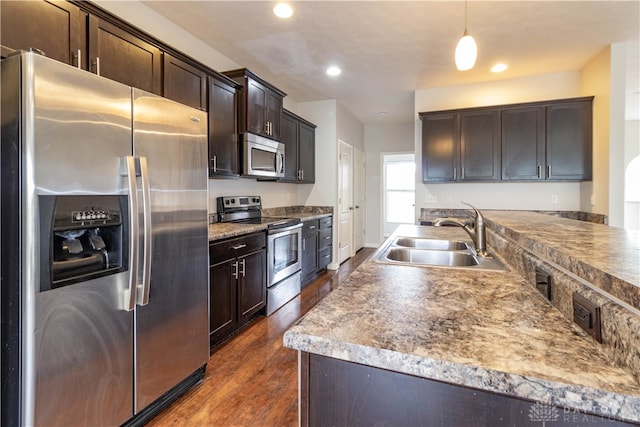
{"x": 465, "y": 17}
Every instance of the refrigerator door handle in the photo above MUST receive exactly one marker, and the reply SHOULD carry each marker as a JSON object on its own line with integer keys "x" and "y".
{"x": 147, "y": 250}
{"x": 129, "y": 294}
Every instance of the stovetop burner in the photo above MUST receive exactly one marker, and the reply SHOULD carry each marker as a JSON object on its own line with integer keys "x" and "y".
{"x": 248, "y": 210}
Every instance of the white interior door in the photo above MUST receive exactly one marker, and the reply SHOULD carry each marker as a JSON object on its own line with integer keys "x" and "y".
{"x": 345, "y": 201}
{"x": 358, "y": 199}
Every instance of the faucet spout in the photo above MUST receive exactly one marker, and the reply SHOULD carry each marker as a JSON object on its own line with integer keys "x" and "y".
{"x": 475, "y": 230}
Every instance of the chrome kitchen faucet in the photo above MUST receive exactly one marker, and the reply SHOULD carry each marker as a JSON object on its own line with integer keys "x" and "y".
{"x": 475, "y": 229}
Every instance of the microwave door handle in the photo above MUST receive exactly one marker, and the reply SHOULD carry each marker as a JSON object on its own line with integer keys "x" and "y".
{"x": 129, "y": 294}
{"x": 280, "y": 163}
{"x": 143, "y": 295}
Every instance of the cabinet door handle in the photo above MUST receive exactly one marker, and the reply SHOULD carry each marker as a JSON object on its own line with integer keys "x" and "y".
{"x": 301, "y": 174}
{"x": 243, "y": 264}
{"x": 539, "y": 171}
{"x": 327, "y": 238}
{"x": 311, "y": 227}
{"x": 96, "y": 65}
{"x": 548, "y": 171}
{"x": 78, "y": 59}
{"x": 357, "y": 207}
{"x": 240, "y": 246}
{"x": 235, "y": 270}
{"x": 304, "y": 245}
{"x": 455, "y": 173}
{"x": 462, "y": 173}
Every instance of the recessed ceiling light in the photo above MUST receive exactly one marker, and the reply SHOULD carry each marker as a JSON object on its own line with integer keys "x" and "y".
{"x": 383, "y": 113}
{"x": 283, "y": 10}
{"x": 334, "y": 71}
{"x": 498, "y": 68}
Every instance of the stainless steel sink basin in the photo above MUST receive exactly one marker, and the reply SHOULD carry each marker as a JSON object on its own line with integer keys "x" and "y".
{"x": 432, "y": 257}
{"x": 424, "y": 252}
{"x": 434, "y": 244}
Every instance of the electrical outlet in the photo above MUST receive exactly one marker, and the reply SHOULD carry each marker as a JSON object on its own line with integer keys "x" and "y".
{"x": 430, "y": 198}
{"x": 554, "y": 199}
{"x": 587, "y": 315}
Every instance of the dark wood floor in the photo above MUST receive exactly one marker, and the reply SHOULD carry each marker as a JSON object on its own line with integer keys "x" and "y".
{"x": 252, "y": 380}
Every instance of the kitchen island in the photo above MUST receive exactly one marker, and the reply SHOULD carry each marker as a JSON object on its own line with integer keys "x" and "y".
{"x": 455, "y": 346}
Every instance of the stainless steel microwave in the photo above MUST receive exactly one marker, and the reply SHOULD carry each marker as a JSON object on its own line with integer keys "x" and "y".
{"x": 262, "y": 157}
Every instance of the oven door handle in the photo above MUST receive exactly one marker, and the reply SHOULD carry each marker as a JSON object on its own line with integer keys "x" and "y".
{"x": 284, "y": 229}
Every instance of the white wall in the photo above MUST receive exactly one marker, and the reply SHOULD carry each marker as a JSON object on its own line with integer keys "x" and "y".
{"x": 349, "y": 129}
{"x": 497, "y": 195}
{"x": 378, "y": 139}
{"x": 323, "y": 192}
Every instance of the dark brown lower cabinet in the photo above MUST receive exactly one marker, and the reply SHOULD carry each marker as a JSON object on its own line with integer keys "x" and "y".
{"x": 339, "y": 393}
{"x": 317, "y": 237}
{"x": 237, "y": 284}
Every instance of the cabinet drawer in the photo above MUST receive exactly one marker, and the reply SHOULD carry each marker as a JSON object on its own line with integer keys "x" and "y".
{"x": 228, "y": 249}
{"x": 310, "y": 226}
{"x": 326, "y": 222}
{"x": 324, "y": 257}
{"x": 324, "y": 238}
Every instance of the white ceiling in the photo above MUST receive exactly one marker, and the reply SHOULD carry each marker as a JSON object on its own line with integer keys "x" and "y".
{"x": 388, "y": 49}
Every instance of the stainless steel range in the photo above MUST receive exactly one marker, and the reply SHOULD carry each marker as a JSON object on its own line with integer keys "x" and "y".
{"x": 284, "y": 246}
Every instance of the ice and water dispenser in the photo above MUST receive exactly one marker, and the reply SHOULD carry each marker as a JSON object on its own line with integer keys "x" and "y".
{"x": 82, "y": 237}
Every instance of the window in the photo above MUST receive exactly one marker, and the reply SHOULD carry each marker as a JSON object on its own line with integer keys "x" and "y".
{"x": 399, "y": 190}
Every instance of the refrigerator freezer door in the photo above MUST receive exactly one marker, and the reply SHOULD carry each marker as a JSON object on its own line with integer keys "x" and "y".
{"x": 78, "y": 342}
{"x": 172, "y": 327}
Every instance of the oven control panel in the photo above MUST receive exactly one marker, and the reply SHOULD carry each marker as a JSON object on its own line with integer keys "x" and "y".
{"x": 230, "y": 203}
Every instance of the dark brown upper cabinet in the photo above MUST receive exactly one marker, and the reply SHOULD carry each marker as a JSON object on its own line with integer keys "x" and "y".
{"x": 523, "y": 153}
{"x": 290, "y": 128}
{"x": 224, "y": 158}
{"x": 259, "y": 106}
{"x": 298, "y": 137}
{"x": 440, "y": 146}
{"x": 57, "y": 28}
{"x": 569, "y": 140}
{"x": 184, "y": 83}
{"x": 537, "y": 141}
{"x": 460, "y": 146}
{"x": 479, "y": 146}
{"x": 307, "y": 152}
{"x": 548, "y": 141}
{"x": 121, "y": 56}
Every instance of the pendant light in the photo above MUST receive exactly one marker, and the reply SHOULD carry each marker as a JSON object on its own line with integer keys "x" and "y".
{"x": 466, "y": 51}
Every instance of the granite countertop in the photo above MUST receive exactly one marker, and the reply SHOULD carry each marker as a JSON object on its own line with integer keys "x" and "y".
{"x": 482, "y": 329}
{"x": 608, "y": 257}
{"x": 224, "y": 230}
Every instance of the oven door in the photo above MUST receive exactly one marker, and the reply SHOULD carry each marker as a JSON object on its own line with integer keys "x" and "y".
{"x": 284, "y": 252}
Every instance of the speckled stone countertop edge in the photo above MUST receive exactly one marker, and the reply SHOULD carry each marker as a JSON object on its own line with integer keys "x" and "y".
{"x": 604, "y": 280}
{"x": 626, "y": 407}
{"x": 226, "y": 230}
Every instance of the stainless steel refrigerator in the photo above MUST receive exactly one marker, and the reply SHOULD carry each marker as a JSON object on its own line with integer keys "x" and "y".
{"x": 104, "y": 263}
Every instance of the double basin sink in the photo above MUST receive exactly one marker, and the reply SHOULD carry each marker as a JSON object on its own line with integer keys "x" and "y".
{"x": 420, "y": 251}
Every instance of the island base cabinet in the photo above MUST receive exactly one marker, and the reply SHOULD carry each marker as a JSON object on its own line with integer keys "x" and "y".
{"x": 335, "y": 392}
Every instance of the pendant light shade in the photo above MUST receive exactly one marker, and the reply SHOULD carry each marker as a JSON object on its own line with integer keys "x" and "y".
{"x": 466, "y": 51}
